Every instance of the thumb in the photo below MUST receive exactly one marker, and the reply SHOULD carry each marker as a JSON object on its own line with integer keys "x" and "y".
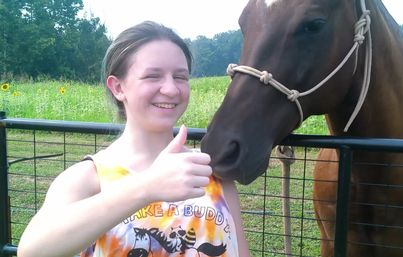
{"x": 177, "y": 144}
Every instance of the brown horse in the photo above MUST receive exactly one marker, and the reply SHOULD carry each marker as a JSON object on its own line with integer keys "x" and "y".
{"x": 293, "y": 46}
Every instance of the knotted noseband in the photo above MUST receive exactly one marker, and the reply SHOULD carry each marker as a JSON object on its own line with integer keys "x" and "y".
{"x": 361, "y": 28}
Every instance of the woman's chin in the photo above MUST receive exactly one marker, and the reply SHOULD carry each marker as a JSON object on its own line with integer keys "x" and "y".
{"x": 162, "y": 126}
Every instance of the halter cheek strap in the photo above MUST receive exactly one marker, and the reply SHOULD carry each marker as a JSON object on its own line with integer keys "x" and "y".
{"x": 267, "y": 78}
{"x": 361, "y": 28}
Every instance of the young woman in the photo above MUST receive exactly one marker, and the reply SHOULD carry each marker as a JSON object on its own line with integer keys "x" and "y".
{"x": 146, "y": 194}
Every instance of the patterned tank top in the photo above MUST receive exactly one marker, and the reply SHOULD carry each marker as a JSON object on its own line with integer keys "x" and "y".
{"x": 199, "y": 227}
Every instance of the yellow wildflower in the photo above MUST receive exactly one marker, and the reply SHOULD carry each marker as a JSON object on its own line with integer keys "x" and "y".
{"x": 5, "y": 87}
{"x": 62, "y": 90}
{"x": 16, "y": 93}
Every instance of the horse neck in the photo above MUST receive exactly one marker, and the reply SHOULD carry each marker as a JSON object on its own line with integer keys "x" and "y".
{"x": 387, "y": 34}
{"x": 380, "y": 114}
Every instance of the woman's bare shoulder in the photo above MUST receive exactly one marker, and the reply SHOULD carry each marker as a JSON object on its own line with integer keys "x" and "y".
{"x": 77, "y": 182}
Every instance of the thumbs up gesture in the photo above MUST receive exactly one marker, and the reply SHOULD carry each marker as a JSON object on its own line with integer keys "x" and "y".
{"x": 178, "y": 174}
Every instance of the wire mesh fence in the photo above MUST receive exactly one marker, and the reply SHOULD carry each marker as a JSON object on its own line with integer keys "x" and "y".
{"x": 37, "y": 151}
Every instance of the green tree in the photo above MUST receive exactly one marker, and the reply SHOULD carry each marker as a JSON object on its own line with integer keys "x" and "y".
{"x": 46, "y": 38}
{"x": 203, "y": 53}
{"x": 10, "y": 23}
{"x": 228, "y": 47}
{"x": 91, "y": 45}
{"x": 212, "y": 56}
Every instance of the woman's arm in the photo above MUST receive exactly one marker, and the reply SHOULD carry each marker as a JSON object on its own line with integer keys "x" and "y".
{"x": 75, "y": 213}
{"x": 232, "y": 198}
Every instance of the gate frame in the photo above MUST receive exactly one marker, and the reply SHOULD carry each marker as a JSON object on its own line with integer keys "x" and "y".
{"x": 344, "y": 144}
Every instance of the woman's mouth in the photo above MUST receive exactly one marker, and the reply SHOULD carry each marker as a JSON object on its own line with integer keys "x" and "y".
{"x": 165, "y": 105}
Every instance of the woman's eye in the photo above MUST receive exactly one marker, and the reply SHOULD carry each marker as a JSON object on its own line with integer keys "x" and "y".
{"x": 152, "y": 76}
{"x": 314, "y": 26}
{"x": 185, "y": 78}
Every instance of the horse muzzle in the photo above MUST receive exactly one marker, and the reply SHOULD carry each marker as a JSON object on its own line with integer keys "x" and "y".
{"x": 232, "y": 160}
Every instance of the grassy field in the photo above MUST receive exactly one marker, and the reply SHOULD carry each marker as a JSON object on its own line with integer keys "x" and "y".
{"x": 55, "y": 100}
{"x": 72, "y": 101}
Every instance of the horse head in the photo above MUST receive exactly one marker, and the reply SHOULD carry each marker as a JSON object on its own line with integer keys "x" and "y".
{"x": 295, "y": 44}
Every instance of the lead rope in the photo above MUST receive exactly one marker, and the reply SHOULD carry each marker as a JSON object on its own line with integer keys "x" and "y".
{"x": 361, "y": 28}
{"x": 287, "y": 157}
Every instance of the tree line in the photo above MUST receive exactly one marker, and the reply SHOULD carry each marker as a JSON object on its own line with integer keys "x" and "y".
{"x": 212, "y": 55}
{"x": 47, "y": 39}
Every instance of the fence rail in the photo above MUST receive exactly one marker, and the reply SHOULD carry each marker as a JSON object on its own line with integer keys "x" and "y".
{"x": 58, "y": 144}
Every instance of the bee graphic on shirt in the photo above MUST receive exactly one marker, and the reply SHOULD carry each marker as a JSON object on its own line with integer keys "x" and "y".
{"x": 178, "y": 240}
{"x": 182, "y": 239}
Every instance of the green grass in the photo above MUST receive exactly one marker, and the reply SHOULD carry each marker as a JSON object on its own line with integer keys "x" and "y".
{"x": 29, "y": 180}
{"x": 84, "y": 102}
{"x": 44, "y": 100}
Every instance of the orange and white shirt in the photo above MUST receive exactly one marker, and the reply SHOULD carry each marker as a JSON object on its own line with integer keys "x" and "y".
{"x": 198, "y": 227}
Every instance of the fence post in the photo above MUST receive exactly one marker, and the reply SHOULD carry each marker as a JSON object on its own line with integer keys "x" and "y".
{"x": 5, "y": 235}
{"x": 343, "y": 194}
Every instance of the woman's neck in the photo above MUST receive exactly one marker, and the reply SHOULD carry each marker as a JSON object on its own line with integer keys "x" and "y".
{"x": 138, "y": 148}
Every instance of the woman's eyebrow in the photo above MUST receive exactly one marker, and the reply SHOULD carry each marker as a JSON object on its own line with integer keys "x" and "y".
{"x": 182, "y": 70}
{"x": 152, "y": 69}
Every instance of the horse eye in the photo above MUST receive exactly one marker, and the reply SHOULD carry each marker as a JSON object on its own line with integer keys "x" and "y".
{"x": 314, "y": 26}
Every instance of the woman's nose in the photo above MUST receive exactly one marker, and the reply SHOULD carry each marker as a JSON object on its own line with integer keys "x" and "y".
{"x": 169, "y": 87}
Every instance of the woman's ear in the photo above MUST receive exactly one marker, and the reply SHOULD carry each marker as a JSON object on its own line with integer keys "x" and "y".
{"x": 115, "y": 86}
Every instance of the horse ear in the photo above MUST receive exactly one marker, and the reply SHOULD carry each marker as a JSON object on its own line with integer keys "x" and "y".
{"x": 251, "y": 11}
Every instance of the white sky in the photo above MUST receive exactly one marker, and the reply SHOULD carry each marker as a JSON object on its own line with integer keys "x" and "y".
{"x": 189, "y": 18}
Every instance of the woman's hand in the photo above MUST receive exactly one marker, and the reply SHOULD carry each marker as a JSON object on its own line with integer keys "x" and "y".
{"x": 178, "y": 174}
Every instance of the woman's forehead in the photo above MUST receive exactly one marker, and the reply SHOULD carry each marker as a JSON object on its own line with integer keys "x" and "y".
{"x": 158, "y": 54}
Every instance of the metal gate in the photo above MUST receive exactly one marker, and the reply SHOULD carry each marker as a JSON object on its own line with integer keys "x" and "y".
{"x": 33, "y": 152}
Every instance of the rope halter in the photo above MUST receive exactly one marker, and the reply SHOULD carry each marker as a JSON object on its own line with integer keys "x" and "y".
{"x": 267, "y": 78}
{"x": 361, "y": 28}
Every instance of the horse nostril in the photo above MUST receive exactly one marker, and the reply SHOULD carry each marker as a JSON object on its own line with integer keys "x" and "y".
{"x": 232, "y": 154}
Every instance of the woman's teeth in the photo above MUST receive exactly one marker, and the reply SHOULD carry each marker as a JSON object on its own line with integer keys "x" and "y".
{"x": 165, "y": 106}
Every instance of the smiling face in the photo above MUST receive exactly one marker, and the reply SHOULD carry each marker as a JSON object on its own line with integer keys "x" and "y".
{"x": 155, "y": 90}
